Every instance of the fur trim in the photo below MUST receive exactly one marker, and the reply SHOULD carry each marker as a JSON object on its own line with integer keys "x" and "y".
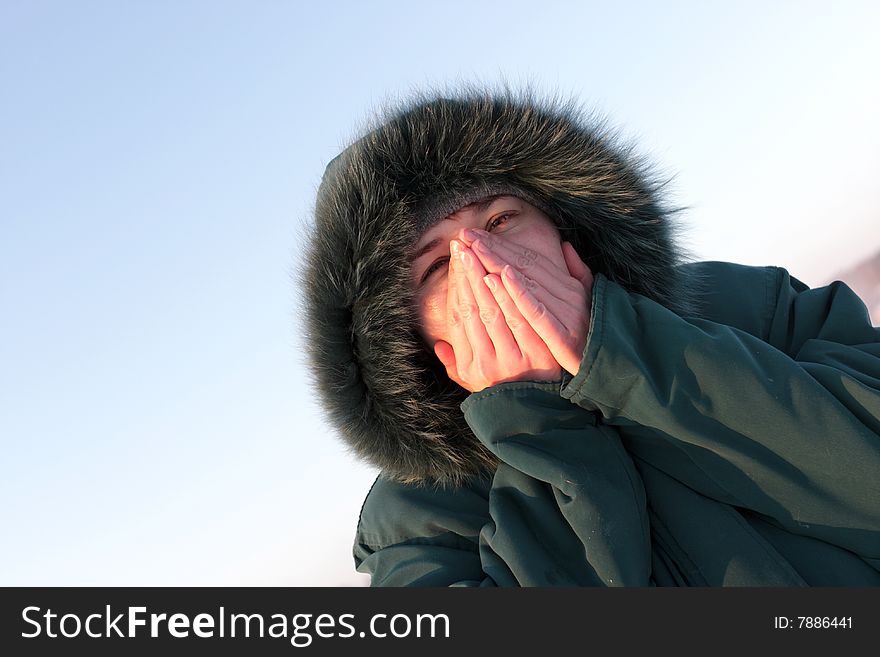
{"x": 389, "y": 397}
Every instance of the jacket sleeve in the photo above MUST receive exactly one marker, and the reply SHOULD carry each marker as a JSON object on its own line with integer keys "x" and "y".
{"x": 783, "y": 420}
{"x": 565, "y": 506}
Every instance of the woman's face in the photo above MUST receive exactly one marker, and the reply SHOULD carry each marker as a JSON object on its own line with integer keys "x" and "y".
{"x": 506, "y": 216}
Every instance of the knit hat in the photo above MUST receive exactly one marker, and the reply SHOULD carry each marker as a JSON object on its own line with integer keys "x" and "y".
{"x": 440, "y": 207}
{"x": 386, "y": 394}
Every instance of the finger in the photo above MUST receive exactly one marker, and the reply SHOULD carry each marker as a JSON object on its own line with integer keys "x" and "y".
{"x": 545, "y": 324}
{"x": 564, "y": 296}
{"x": 568, "y": 310}
{"x": 457, "y": 334}
{"x": 489, "y": 312}
{"x": 576, "y": 267}
{"x": 527, "y": 340}
{"x": 500, "y": 331}
{"x": 518, "y": 255}
{"x": 494, "y": 253}
{"x": 468, "y": 309}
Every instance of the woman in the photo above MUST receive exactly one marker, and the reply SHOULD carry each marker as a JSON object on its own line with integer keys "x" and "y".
{"x": 501, "y": 321}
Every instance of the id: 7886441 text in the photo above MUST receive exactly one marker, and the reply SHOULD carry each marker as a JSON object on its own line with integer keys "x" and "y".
{"x": 812, "y": 622}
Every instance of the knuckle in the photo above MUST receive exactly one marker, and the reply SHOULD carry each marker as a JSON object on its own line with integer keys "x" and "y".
{"x": 526, "y": 258}
{"x": 513, "y": 323}
{"x": 489, "y": 315}
{"x": 467, "y": 310}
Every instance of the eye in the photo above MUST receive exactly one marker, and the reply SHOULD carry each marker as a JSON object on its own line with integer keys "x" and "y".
{"x": 498, "y": 220}
{"x": 434, "y": 267}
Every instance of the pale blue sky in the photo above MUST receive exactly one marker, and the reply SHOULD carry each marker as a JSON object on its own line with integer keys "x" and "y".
{"x": 157, "y": 160}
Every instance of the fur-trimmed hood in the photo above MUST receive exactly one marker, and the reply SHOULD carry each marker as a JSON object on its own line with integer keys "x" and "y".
{"x": 384, "y": 391}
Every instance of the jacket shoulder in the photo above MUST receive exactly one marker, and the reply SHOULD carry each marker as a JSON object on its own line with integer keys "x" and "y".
{"x": 395, "y": 513}
{"x": 741, "y": 296}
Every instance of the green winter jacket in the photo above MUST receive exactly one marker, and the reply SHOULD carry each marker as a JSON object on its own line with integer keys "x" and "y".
{"x": 738, "y": 448}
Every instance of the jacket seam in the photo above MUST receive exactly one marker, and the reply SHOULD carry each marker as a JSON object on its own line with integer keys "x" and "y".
{"x": 772, "y": 284}
{"x": 364, "y": 504}
{"x": 496, "y": 390}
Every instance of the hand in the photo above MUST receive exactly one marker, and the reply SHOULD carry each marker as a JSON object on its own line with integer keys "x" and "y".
{"x": 555, "y": 302}
{"x": 489, "y": 340}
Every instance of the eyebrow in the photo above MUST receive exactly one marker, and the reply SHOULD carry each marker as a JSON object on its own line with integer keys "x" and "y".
{"x": 415, "y": 255}
{"x": 480, "y": 206}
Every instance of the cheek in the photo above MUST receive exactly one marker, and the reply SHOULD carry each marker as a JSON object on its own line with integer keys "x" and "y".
{"x": 432, "y": 313}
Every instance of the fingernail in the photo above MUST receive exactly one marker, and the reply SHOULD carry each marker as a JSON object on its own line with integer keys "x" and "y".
{"x": 469, "y": 234}
{"x": 510, "y": 272}
{"x": 454, "y": 247}
{"x": 490, "y": 283}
